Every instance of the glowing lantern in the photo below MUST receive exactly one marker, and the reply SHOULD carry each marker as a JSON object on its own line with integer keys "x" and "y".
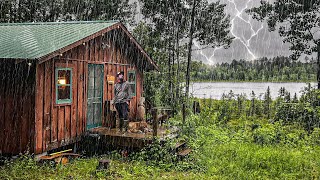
{"x": 62, "y": 81}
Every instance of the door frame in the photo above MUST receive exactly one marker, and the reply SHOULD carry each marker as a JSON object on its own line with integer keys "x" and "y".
{"x": 99, "y": 124}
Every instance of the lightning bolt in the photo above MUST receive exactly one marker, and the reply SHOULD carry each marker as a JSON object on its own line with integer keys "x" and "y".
{"x": 208, "y": 58}
{"x": 254, "y": 33}
{"x": 245, "y": 42}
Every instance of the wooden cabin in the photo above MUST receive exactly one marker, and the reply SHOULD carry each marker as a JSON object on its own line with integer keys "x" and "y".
{"x": 56, "y": 77}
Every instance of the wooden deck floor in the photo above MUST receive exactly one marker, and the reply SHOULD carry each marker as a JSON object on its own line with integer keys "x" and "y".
{"x": 135, "y": 140}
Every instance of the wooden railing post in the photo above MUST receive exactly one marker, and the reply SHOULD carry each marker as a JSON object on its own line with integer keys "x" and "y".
{"x": 183, "y": 114}
{"x": 155, "y": 122}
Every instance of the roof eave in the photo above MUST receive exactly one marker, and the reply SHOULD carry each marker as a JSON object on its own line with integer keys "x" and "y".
{"x": 99, "y": 33}
{"x": 69, "y": 47}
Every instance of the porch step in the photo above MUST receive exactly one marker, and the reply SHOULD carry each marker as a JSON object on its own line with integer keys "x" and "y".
{"x": 179, "y": 145}
{"x": 184, "y": 152}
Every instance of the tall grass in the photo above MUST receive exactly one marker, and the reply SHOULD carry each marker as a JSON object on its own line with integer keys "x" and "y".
{"x": 236, "y": 147}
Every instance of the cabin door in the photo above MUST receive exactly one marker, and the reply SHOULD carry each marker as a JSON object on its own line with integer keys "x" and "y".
{"x": 95, "y": 92}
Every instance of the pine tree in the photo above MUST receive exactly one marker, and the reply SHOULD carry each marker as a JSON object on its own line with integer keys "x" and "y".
{"x": 267, "y": 102}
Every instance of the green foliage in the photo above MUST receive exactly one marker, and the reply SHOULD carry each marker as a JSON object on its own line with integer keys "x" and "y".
{"x": 230, "y": 145}
{"x": 26, "y": 168}
{"x": 251, "y": 147}
{"x": 159, "y": 154}
{"x": 66, "y": 10}
{"x": 304, "y": 114}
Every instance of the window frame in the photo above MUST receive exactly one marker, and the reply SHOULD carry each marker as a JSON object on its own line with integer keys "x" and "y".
{"x": 134, "y": 91}
{"x": 64, "y": 101}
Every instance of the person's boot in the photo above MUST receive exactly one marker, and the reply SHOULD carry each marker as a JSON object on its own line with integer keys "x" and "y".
{"x": 125, "y": 125}
{"x": 121, "y": 125}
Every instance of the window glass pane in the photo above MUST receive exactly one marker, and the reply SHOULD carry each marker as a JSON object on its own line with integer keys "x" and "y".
{"x": 63, "y": 92}
{"x": 132, "y": 77}
{"x": 98, "y": 92}
{"x": 97, "y": 113}
{"x": 90, "y": 93}
{"x": 133, "y": 89}
{"x": 132, "y": 81}
{"x": 63, "y": 85}
{"x": 90, "y": 114}
{"x": 64, "y": 77}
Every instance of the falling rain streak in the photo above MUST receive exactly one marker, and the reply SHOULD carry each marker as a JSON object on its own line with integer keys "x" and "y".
{"x": 62, "y": 96}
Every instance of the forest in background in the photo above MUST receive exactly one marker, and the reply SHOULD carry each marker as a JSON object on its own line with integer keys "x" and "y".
{"x": 277, "y": 69}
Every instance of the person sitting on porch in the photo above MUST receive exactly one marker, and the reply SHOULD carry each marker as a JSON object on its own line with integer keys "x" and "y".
{"x": 122, "y": 97}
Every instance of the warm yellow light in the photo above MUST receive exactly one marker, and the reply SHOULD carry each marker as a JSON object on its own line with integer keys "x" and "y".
{"x": 62, "y": 81}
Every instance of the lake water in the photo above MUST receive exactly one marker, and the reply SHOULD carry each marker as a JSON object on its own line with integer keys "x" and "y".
{"x": 215, "y": 90}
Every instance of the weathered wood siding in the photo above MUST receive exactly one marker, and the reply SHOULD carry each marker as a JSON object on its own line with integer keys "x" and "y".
{"x": 59, "y": 125}
{"x": 17, "y": 92}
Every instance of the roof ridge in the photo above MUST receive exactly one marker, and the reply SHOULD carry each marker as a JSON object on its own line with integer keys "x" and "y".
{"x": 57, "y": 23}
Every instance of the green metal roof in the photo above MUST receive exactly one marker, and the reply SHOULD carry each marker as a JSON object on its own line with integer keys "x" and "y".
{"x": 35, "y": 40}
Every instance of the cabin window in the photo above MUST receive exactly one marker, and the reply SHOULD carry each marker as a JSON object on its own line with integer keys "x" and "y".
{"x": 132, "y": 81}
{"x": 63, "y": 85}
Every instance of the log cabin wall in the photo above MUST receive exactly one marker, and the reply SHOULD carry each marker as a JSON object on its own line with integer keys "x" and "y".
{"x": 59, "y": 125}
{"x": 17, "y": 94}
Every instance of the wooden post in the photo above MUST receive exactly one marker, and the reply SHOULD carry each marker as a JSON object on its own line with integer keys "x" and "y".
{"x": 155, "y": 122}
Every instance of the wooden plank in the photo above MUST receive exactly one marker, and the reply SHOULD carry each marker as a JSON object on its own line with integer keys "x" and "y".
{"x": 32, "y": 113}
{"x": 2, "y": 120}
{"x": 109, "y": 85}
{"x": 24, "y": 129}
{"x": 105, "y": 87}
{"x": 92, "y": 50}
{"x": 139, "y": 88}
{"x": 29, "y": 143}
{"x": 105, "y": 94}
{"x": 53, "y": 156}
{"x": 54, "y": 110}
{"x": 67, "y": 119}
{"x": 23, "y": 104}
{"x": 39, "y": 108}
{"x": 97, "y": 49}
{"x": 16, "y": 113}
{"x": 80, "y": 91}
{"x": 85, "y": 92}
{"x": 2, "y": 105}
{"x": 112, "y": 54}
{"x": 17, "y": 116}
{"x": 74, "y": 106}
{"x": 117, "y": 56}
{"x": 184, "y": 152}
{"x": 106, "y": 54}
{"x": 48, "y": 83}
{"x": 61, "y": 124}
{"x": 8, "y": 123}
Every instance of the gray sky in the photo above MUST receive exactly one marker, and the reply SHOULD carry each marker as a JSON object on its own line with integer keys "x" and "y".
{"x": 253, "y": 40}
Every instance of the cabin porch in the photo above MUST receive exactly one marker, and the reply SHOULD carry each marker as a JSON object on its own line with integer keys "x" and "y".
{"x": 112, "y": 137}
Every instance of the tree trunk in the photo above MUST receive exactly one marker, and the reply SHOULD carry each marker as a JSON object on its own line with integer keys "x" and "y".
{"x": 178, "y": 66}
{"x": 318, "y": 64}
{"x": 189, "y": 49}
{"x": 189, "y": 61}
